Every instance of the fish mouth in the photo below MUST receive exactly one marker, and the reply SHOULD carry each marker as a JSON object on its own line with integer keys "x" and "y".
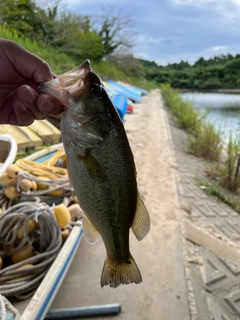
{"x": 70, "y": 83}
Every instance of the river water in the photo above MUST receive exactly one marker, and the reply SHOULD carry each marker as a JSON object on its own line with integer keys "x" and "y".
{"x": 221, "y": 109}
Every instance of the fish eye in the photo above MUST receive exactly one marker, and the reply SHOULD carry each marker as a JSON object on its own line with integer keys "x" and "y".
{"x": 96, "y": 90}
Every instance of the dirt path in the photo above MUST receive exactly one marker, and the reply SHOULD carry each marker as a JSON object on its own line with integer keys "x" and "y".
{"x": 162, "y": 295}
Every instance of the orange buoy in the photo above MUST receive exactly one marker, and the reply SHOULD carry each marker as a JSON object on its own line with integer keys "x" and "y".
{"x": 30, "y": 226}
{"x": 23, "y": 254}
{"x": 62, "y": 215}
{"x": 13, "y": 170}
{"x": 11, "y": 193}
{"x": 5, "y": 179}
{"x": 75, "y": 210}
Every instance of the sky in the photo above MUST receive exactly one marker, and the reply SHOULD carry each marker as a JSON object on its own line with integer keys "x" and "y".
{"x": 168, "y": 31}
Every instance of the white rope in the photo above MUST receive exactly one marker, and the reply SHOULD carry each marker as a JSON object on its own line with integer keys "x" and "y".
{"x": 3, "y": 308}
{"x": 6, "y": 306}
{"x": 45, "y": 241}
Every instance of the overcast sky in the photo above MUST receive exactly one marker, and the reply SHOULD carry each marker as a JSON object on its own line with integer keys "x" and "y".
{"x": 169, "y": 31}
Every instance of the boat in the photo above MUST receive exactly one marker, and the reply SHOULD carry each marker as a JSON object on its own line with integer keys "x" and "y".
{"x": 130, "y": 108}
{"x": 120, "y": 103}
{"x": 36, "y": 307}
{"x": 143, "y": 91}
{"x": 118, "y": 99}
{"x": 41, "y": 132}
{"x": 25, "y": 138}
{"x": 8, "y": 151}
{"x": 127, "y": 92}
{"x": 130, "y": 88}
{"x": 46, "y": 131}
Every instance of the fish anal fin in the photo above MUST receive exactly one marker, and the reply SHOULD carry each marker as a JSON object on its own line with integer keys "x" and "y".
{"x": 115, "y": 273}
{"x": 141, "y": 223}
{"x": 91, "y": 235}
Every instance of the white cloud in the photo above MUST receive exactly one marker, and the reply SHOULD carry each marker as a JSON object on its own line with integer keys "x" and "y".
{"x": 218, "y": 48}
{"x": 195, "y": 3}
{"x": 237, "y": 2}
{"x": 91, "y": 3}
{"x": 146, "y": 40}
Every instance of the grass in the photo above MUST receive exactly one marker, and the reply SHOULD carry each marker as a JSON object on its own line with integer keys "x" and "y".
{"x": 186, "y": 116}
{"x": 223, "y": 172}
{"x": 205, "y": 141}
{"x": 215, "y": 189}
{"x": 227, "y": 171}
{"x": 61, "y": 62}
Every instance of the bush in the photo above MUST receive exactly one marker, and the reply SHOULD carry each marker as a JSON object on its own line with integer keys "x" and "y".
{"x": 205, "y": 141}
{"x": 223, "y": 171}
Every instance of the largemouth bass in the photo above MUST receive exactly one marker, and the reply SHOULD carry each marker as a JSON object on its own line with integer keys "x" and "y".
{"x": 101, "y": 169}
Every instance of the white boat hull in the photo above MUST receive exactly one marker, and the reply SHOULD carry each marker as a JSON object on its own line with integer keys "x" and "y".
{"x": 8, "y": 151}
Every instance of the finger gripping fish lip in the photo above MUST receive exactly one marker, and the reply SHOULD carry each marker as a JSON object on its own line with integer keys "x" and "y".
{"x": 40, "y": 86}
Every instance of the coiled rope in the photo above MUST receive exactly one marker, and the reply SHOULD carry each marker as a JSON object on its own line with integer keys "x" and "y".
{"x": 45, "y": 241}
{"x": 20, "y": 279}
{"x": 50, "y": 174}
{"x": 50, "y": 169}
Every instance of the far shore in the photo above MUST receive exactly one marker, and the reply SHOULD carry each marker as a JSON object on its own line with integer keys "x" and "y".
{"x": 232, "y": 91}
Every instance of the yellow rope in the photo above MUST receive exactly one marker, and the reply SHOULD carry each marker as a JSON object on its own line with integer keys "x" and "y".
{"x": 46, "y": 169}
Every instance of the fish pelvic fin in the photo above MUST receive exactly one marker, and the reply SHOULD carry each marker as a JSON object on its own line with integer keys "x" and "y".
{"x": 115, "y": 273}
{"x": 141, "y": 223}
{"x": 91, "y": 235}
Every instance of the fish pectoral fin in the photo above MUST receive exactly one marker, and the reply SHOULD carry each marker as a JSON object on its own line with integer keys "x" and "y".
{"x": 141, "y": 223}
{"x": 91, "y": 235}
{"x": 91, "y": 163}
{"x": 115, "y": 273}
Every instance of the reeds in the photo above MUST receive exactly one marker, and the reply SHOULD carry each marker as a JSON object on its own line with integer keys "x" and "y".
{"x": 205, "y": 140}
{"x": 223, "y": 165}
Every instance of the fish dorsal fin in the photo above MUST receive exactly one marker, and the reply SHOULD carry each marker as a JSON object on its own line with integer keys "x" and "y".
{"x": 91, "y": 235}
{"x": 141, "y": 223}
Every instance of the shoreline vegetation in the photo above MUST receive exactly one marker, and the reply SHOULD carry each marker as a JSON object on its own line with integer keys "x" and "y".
{"x": 129, "y": 70}
{"x": 65, "y": 40}
{"x": 230, "y": 91}
{"x": 222, "y": 174}
{"x": 217, "y": 73}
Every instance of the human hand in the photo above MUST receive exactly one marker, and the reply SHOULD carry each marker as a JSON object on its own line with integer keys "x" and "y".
{"x": 20, "y": 71}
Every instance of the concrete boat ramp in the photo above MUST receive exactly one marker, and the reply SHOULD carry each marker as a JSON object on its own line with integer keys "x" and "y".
{"x": 190, "y": 260}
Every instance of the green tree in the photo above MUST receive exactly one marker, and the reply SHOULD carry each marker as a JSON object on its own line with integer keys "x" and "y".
{"x": 20, "y": 15}
{"x": 115, "y": 30}
{"x": 127, "y": 63}
{"x": 200, "y": 62}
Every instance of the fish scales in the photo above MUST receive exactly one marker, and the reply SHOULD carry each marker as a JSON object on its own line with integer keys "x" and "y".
{"x": 102, "y": 171}
{"x": 108, "y": 190}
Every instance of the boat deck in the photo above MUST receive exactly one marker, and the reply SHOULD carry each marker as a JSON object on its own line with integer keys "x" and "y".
{"x": 163, "y": 293}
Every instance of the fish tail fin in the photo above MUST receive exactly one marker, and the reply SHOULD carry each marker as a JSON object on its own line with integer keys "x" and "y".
{"x": 115, "y": 273}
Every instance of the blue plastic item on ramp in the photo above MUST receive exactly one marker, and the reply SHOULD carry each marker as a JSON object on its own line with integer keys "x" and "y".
{"x": 128, "y": 93}
{"x": 120, "y": 103}
{"x": 143, "y": 91}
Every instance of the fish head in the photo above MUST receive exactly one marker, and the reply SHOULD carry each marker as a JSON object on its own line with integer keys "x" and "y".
{"x": 77, "y": 89}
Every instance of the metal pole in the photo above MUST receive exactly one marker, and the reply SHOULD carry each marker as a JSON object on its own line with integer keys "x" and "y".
{"x": 76, "y": 313}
